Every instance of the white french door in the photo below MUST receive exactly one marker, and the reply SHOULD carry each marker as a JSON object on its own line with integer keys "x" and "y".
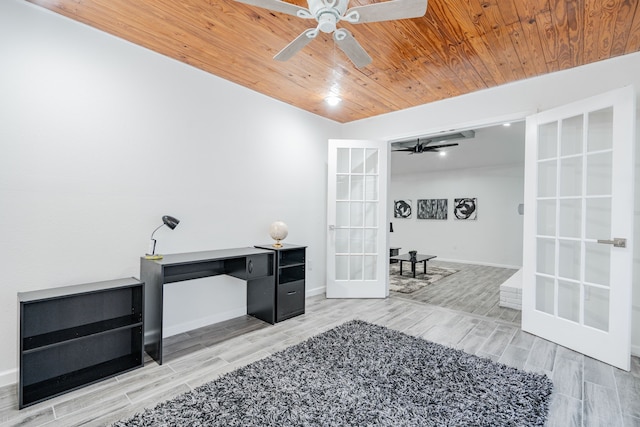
{"x": 578, "y": 226}
{"x": 357, "y": 249}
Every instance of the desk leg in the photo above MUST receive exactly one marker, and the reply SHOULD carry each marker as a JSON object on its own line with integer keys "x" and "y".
{"x": 151, "y": 275}
{"x": 413, "y": 269}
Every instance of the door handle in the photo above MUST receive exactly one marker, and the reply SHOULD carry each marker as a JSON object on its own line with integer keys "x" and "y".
{"x": 617, "y": 242}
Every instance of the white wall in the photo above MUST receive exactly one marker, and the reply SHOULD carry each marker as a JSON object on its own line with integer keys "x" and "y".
{"x": 99, "y": 138}
{"x": 495, "y": 238}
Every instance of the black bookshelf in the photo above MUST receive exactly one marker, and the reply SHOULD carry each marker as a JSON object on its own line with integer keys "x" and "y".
{"x": 77, "y": 335}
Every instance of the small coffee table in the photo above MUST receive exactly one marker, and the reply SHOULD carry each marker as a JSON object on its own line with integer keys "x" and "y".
{"x": 419, "y": 258}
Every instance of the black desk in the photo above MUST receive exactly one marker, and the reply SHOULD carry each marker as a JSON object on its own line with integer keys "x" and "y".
{"x": 256, "y": 266}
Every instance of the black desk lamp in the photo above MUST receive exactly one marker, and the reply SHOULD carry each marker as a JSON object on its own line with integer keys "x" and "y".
{"x": 170, "y": 222}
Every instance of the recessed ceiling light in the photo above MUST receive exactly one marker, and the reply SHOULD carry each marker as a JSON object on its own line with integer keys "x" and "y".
{"x": 332, "y": 100}
{"x": 506, "y": 124}
{"x": 443, "y": 153}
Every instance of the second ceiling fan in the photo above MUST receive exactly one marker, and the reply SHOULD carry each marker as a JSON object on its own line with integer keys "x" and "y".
{"x": 329, "y": 12}
{"x": 422, "y": 144}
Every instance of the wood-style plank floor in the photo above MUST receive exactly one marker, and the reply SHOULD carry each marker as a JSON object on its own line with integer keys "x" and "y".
{"x": 587, "y": 392}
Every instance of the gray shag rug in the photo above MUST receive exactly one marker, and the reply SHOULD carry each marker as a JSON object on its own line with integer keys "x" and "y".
{"x": 359, "y": 374}
{"x": 406, "y": 284}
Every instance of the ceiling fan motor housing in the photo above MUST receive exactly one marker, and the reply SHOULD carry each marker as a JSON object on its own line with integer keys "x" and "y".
{"x": 327, "y": 13}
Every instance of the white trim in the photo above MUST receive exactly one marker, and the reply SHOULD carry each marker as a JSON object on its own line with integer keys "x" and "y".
{"x": 488, "y": 264}
{"x": 8, "y": 377}
{"x": 320, "y": 290}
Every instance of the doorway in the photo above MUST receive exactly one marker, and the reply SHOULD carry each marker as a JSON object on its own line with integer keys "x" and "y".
{"x": 487, "y": 249}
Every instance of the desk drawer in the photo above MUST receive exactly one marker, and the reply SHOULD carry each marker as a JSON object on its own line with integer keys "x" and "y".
{"x": 290, "y": 300}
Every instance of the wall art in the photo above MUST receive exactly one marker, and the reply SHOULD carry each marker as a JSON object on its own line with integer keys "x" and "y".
{"x": 432, "y": 209}
{"x": 465, "y": 208}
{"x": 402, "y": 208}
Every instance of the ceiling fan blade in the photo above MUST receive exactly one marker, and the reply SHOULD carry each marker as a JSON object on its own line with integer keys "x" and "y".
{"x": 345, "y": 41}
{"x": 405, "y": 149}
{"x": 298, "y": 43}
{"x": 435, "y": 147}
{"x": 387, "y": 11}
{"x": 278, "y": 6}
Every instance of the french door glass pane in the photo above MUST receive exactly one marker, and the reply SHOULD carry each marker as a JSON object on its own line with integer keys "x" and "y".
{"x": 357, "y": 241}
{"x": 570, "y": 216}
{"x": 599, "y": 180}
{"x": 546, "y": 256}
{"x": 569, "y": 259}
{"x": 569, "y": 300}
{"x": 371, "y": 187}
{"x": 342, "y": 161}
{"x": 342, "y": 240}
{"x": 371, "y": 165}
{"x": 357, "y": 160}
{"x": 342, "y": 187}
{"x": 342, "y": 267}
{"x": 355, "y": 267}
{"x": 547, "y": 178}
{"x": 548, "y": 141}
{"x": 357, "y": 187}
{"x": 370, "y": 241}
{"x": 371, "y": 214}
{"x": 357, "y": 214}
{"x": 600, "y": 130}
{"x": 370, "y": 263}
{"x": 571, "y": 176}
{"x": 545, "y": 294}
{"x": 597, "y": 263}
{"x": 596, "y": 308}
{"x": 598, "y": 218}
{"x": 546, "y": 217}
{"x": 571, "y": 139}
{"x": 342, "y": 214}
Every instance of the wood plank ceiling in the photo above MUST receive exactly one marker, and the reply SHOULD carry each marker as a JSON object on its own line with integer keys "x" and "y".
{"x": 459, "y": 46}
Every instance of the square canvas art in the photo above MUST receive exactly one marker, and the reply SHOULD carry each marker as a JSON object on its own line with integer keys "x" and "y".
{"x": 402, "y": 208}
{"x": 465, "y": 208}
{"x": 432, "y": 209}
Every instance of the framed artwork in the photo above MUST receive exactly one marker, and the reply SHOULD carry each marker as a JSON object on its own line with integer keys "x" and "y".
{"x": 402, "y": 208}
{"x": 465, "y": 208}
{"x": 432, "y": 208}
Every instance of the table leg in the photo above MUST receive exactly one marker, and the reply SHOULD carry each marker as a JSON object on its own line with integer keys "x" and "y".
{"x": 413, "y": 269}
{"x": 401, "y": 267}
{"x": 425, "y": 267}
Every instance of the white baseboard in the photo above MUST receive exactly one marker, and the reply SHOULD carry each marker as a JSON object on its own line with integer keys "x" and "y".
{"x": 488, "y": 264}
{"x": 315, "y": 291}
{"x": 8, "y": 377}
{"x": 635, "y": 350}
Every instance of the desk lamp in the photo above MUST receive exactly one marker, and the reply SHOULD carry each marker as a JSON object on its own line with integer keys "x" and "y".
{"x": 170, "y": 222}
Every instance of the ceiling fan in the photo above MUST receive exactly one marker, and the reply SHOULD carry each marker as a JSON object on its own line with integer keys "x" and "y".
{"x": 329, "y": 12}
{"x": 421, "y": 145}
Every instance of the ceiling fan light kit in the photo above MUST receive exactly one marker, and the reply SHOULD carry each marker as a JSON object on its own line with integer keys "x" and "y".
{"x": 328, "y": 13}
